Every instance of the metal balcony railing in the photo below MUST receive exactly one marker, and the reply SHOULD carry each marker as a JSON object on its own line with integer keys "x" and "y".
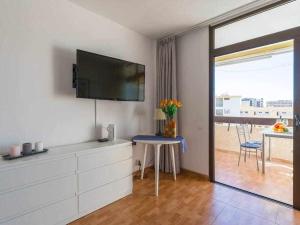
{"x": 248, "y": 120}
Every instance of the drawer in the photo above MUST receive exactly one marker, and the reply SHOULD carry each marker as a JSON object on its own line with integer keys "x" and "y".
{"x": 28, "y": 174}
{"x": 102, "y": 196}
{"x": 104, "y": 157}
{"x": 104, "y": 175}
{"x": 58, "y": 213}
{"x": 31, "y": 198}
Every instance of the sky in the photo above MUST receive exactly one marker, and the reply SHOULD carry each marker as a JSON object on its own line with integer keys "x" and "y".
{"x": 267, "y": 78}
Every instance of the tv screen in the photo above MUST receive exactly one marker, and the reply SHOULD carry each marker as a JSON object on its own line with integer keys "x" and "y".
{"x": 102, "y": 77}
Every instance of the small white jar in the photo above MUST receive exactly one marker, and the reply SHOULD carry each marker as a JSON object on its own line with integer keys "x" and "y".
{"x": 38, "y": 146}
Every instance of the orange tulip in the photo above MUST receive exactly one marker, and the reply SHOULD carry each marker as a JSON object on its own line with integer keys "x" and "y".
{"x": 161, "y": 105}
{"x": 165, "y": 102}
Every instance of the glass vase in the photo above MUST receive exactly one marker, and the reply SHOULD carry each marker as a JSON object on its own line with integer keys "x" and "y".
{"x": 170, "y": 128}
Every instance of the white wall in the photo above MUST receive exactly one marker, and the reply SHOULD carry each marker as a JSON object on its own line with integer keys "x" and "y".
{"x": 38, "y": 42}
{"x": 193, "y": 74}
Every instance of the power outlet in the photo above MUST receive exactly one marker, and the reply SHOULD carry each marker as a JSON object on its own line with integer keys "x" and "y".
{"x": 138, "y": 162}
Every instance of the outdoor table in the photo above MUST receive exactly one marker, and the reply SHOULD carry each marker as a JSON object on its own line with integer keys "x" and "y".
{"x": 270, "y": 133}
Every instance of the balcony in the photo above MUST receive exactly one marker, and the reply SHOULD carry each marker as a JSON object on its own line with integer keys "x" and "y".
{"x": 276, "y": 182}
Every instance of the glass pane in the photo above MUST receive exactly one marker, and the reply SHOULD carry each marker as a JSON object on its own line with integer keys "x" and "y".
{"x": 256, "y": 84}
{"x": 275, "y": 20}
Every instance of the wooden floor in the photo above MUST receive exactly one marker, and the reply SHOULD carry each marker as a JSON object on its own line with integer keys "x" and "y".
{"x": 276, "y": 183}
{"x": 191, "y": 200}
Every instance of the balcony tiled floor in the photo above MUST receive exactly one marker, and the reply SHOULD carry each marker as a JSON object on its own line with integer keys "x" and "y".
{"x": 276, "y": 183}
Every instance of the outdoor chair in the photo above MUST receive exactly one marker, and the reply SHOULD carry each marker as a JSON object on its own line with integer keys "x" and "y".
{"x": 246, "y": 144}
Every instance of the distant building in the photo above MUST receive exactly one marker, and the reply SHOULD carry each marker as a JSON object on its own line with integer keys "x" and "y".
{"x": 267, "y": 112}
{"x": 227, "y": 105}
{"x": 280, "y": 103}
{"x": 255, "y": 102}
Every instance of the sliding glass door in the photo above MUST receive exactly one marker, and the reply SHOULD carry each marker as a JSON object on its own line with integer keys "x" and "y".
{"x": 296, "y": 178}
{"x": 255, "y": 105}
{"x": 254, "y": 95}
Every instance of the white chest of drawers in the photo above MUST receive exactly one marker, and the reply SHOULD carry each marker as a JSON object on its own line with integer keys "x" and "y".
{"x": 64, "y": 184}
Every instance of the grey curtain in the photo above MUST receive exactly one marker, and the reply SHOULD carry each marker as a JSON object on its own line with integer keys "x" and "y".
{"x": 167, "y": 88}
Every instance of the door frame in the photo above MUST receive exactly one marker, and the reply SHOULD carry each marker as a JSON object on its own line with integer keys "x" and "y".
{"x": 281, "y": 36}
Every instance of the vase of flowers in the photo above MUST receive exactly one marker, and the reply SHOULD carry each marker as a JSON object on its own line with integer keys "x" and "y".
{"x": 170, "y": 107}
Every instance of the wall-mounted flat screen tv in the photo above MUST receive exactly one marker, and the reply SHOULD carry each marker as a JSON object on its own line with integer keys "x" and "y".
{"x": 102, "y": 77}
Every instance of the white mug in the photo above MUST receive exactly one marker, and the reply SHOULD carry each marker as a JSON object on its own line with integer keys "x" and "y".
{"x": 39, "y": 146}
{"x": 15, "y": 150}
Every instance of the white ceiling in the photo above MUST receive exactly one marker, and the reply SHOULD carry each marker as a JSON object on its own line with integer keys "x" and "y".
{"x": 158, "y": 18}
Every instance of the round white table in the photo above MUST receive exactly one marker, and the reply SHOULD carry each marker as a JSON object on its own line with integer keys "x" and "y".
{"x": 157, "y": 144}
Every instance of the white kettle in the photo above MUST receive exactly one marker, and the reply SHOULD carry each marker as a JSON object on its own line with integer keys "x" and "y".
{"x": 111, "y": 129}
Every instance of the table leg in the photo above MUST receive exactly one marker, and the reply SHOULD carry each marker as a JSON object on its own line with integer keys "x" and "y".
{"x": 144, "y": 161}
{"x": 173, "y": 161}
{"x": 157, "y": 154}
{"x": 263, "y": 154}
{"x": 269, "y": 158}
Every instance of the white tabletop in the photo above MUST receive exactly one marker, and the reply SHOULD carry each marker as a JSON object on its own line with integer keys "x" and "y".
{"x": 270, "y": 133}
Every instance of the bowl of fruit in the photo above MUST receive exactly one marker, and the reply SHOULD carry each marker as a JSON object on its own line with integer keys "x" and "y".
{"x": 280, "y": 127}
